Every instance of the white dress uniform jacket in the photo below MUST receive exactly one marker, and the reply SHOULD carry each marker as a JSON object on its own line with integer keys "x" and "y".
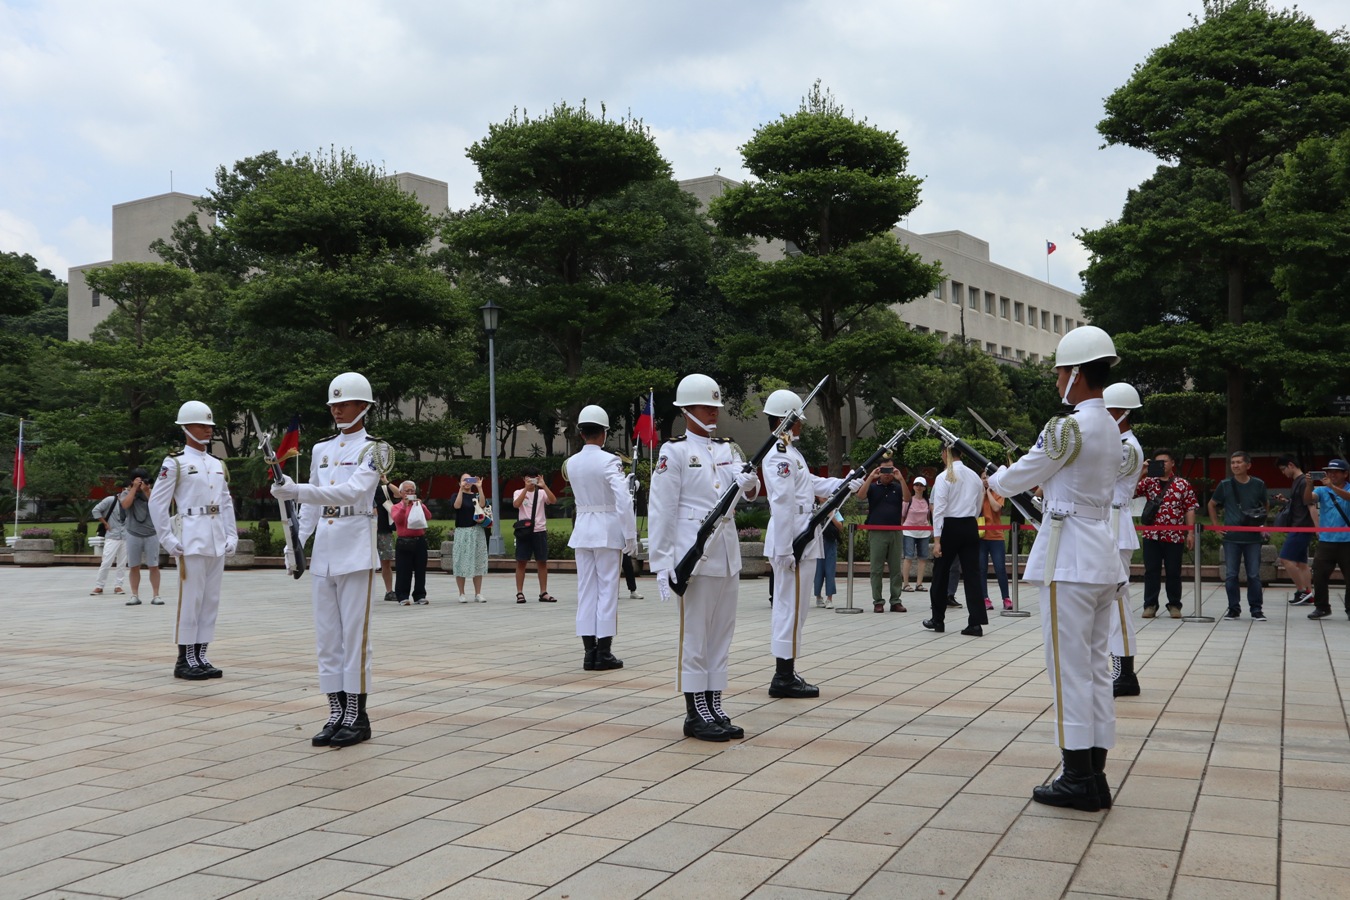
{"x": 691, "y": 474}
{"x": 1080, "y": 484}
{"x": 604, "y": 505}
{"x": 792, "y": 491}
{"x": 1131, "y": 465}
{"x": 196, "y": 479}
{"x": 338, "y": 505}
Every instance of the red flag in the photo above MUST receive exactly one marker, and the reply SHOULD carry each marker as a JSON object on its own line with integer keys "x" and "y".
{"x": 290, "y": 441}
{"x": 1049, "y": 248}
{"x": 19, "y": 479}
{"x": 645, "y": 429}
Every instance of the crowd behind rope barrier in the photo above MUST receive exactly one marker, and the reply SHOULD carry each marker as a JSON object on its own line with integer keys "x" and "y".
{"x": 1016, "y": 574}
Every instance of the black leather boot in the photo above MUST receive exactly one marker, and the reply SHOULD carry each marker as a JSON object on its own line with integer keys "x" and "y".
{"x": 588, "y": 641}
{"x": 205, "y": 664}
{"x": 180, "y": 668}
{"x": 191, "y": 669}
{"x": 355, "y": 728}
{"x": 604, "y": 659}
{"x": 337, "y": 704}
{"x": 714, "y": 701}
{"x": 1075, "y": 788}
{"x": 1126, "y": 683}
{"x": 787, "y": 683}
{"x": 1099, "y": 774}
{"x": 698, "y": 720}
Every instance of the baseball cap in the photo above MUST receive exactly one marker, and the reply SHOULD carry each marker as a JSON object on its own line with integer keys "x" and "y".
{"x": 921, "y": 480}
{"x": 1337, "y": 465}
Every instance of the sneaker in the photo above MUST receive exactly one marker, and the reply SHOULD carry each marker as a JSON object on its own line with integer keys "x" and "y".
{"x": 479, "y": 598}
{"x": 155, "y": 601}
{"x": 1150, "y": 612}
{"x": 134, "y": 601}
{"x": 1301, "y": 598}
{"x": 988, "y": 604}
{"x": 1258, "y": 617}
{"x": 405, "y": 602}
{"x": 463, "y": 599}
{"x": 1233, "y": 614}
{"x": 390, "y": 595}
{"x": 1007, "y": 603}
{"x": 829, "y": 603}
{"x": 634, "y": 595}
{"x": 820, "y": 602}
{"x": 1320, "y": 613}
{"x": 1174, "y": 612}
{"x": 423, "y": 602}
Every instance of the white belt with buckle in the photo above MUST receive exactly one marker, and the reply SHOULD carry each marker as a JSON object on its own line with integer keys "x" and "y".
{"x": 1080, "y": 510}
{"x": 337, "y": 512}
{"x": 212, "y": 510}
{"x": 595, "y": 509}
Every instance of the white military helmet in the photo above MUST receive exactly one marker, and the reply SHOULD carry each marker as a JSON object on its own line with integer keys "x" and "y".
{"x": 195, "y": 412}
{"x": 1121, "y": 396}
{"x": 593, "y": 415}
{"x": 1083, "y": 345}
{"x": 698, "y": 390}
{"x": 349, "y": 386}
{"x": 782, "y": 404}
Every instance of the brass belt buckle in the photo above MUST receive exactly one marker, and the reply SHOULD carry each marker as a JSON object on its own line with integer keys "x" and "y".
{"x": 330, "y": 512}
{"x": 212, "y": 510}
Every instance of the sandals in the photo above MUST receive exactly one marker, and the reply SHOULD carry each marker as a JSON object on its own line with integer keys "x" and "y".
{"x": 546, "y": 597}
{"x": 909, "y": 588}
{"x": 520, "y": 598}
{"x": 95, "y": 592}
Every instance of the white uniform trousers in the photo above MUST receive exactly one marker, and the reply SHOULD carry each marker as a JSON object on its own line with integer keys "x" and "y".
{"x": 1076, "y": 627}
{"x": 114, "y": 553}
{"x": 707, "y": 625}
{"x": 342, "y": 631}
{"x": 198, "y": 598}
{"x": 1122, "y": 626}
{"x": 791, "y": 599}
{"x": 598, "y": 591}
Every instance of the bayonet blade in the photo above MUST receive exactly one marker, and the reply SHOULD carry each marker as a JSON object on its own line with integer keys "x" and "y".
{"x": 811, "y": 396}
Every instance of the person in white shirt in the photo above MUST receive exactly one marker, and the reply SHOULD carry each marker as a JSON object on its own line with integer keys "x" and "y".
{"x": 958, "y": 497}
{"x": 338, "y": 509}
{"x": 1120, "y": 399}
{"x": 113, "y": 518}
{"x": 604, "y": 530}
{"x": 1076, "y": 461}
{"x": 200, "y": 536}
{"x": 692, "y": 472}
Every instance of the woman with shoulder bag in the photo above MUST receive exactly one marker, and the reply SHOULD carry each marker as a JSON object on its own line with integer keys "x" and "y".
{"x": 410, "y": 517}
{"x": 470, "y": 548}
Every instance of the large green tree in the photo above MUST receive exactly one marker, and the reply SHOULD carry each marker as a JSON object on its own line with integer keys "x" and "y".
{"x": 1230, "y": 95}
{"x": 830, "y": 187}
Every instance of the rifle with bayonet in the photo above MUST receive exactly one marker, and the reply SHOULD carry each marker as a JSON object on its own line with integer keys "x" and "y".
{"x": 825, "y": 510}
{"x": 684, "y": 569}
{"x": 1024, "y": 503}
{"x": 291, "y": 526}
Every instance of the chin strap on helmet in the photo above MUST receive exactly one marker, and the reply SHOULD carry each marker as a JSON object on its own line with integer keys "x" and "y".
{"x": 193, "y": 439}
{"x": 1068, "y": 389}
{"x": 1122, "y": 417}
{"x": 701, "y": 424}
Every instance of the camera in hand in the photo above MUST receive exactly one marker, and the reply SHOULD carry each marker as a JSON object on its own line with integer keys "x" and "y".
{"x": 1317, "y": 476}
{"x": 888, "y": 470}
{"x": 1157, "y": 468}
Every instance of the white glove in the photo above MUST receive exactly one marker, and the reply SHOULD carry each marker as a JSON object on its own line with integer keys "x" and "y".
{"x": 630, "y": 547}
{"x": 287, "y": 490}
{"x": 787, "y": 560}
{"x": 230, "y": 547}
{"x": 663, "y": 585}
{"x": 290, "y": 559}
{"x": 747, "y": 481}
{"x": 176, "y": 551}
{"x": 856, "y": 483}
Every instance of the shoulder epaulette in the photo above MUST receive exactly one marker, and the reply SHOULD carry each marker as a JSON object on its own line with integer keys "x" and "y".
{"x": 782, "y": 446}
{"x": 721, "y": 440}
{"x": 678, "y": 438}
{"x": 564, "y": 471}
{"x": 178, "y": 452}
{"x": 371, "y": 437}
{"x": 1062, "y": 438}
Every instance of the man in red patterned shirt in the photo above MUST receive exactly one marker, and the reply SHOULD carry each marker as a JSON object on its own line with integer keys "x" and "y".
{"x": 1177, "y": 506}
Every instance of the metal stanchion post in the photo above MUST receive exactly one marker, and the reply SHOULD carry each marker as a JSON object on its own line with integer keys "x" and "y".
{"x": 848, "y": 605}
{"x": 1017, "y": 611}
{"x": 1198, "y": 615}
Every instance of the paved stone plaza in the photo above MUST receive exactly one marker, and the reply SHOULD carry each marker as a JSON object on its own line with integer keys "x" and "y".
{"x": 500, "y": 769}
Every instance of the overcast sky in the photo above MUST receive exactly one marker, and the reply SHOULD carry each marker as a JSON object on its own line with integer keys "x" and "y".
{"x": 997, "y": 101}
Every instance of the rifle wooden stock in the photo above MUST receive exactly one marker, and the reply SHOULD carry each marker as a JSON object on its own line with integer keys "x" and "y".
{"x": 291, "y": 529}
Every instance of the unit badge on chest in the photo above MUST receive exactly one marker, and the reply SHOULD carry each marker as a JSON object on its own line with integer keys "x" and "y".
{"x": 694, "y": 463}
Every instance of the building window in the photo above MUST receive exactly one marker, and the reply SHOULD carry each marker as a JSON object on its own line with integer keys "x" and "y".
{"x": 990, "y": 348}
{"x": 1045, "y": 320}
{"x": 1035, "y": 357}
{"x": 974, "y": 301}
{"x": 1031, "y": 316}
{"x": 941, "y": 336}
{"x": 1059, "y": 324}
{"x": 1007, "y": 352}
{"x": 957, "y": 292}
{"x": 98, "y": 298}
{"x": 940, "y": 290}
{"x": 921, "y": 329}
{"x": 988, "y": 303}
{"x": 1017, "y": 312}
{"x": 1003, "y": 307}
{"x": 1021, "y": 354}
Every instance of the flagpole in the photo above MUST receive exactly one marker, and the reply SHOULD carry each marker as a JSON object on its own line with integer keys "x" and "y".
{"x": 1047, "y": 262}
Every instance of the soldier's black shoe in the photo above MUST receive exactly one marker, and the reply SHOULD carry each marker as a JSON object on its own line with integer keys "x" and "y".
{"x": 191, "y": 673}
{"x": 336, "y": 706}
{"x": 714, "y": 701}
{"x": 1125, "y": 686}
{"x": 793, "y": 687}
{"x": 588, "y": 661}
{"x": 358, "y": 730}
{"x": 205, "y": 664}
{"x": 1076, "y": 788}
{"x": 973, "y": 631}
{"x": 604, "y": 659}
{"x": 1099, "y": 774}
{"x": 699, "y": 722}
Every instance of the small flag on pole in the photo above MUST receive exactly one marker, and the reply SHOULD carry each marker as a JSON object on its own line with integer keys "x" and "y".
{"x": 1049, "y": 247}
{"x": 290, "y": 441}
{"x": 645, "y": 429}
{"x": 19, "y": 479}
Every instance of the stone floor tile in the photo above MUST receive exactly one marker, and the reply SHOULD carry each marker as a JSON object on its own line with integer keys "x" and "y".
{"x": 1126, "y": 872}
{"x": 716, "y": 876}
{"x": 917, "y": 789}
{"x": 949, "y": 854}
{"x": 1137, "y": 826}
{"x": 1008, "y": 878}
{"x": 1315, "y": 844}
{"x": 521, "y": 829}
{"x": 733, "y": 808}
{"x": 1250, "y": 784}
{"x": 34, "y": 880}
{"x": 143, "y": 874}
{"x": 1189, "y": 887}
{"x": 1309, "y": 882}
{"x": 553, "y": 859}
{"x": 282, "y": 856}
{"x": 196, "y": 887}
{"x": 1238, "y": 857}
{"x": 395, "y": 847}
{"x": 670, "y": 846}
{"x": 1158, "y": 793}
{"x": 424, "y": 875}
{"x": 594, "y": 796}
{"x": 1324, "y": 807}
{"x": 476, "y": 888}
{"x": 882, "y": 823}
{"x": 609, "y": 881}
{"x": 891, "y": 885}
{"x": 1048, "y": 839}
{"x": 1230, "y": 815}
{"x": 494, "y": 805}
{"x": 778, "y": 836}
{"x": 834, "y": 866}
{"x": 321, "y": 879}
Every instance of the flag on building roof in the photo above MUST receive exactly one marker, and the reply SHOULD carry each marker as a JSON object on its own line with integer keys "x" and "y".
{"x": 290, "y": 441}
{"x": 645, "y": 429}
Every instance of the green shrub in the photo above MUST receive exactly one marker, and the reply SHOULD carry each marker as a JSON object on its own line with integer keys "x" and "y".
{"x": 557, "y": 546}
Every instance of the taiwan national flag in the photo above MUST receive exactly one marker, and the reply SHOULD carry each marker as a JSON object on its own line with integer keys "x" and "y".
{"x": 290, "y": 441}
{"x": 1049, "y": 247}
{"x": 645, "y": 429}
{"x": 19, "y": 479}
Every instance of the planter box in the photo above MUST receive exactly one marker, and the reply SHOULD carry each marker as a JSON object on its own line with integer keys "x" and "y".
{"x": 753, "y": 563}
{"x": 447, "y": 556}
{"x": 34, "y": 552}
{"x": 243, "y": 556}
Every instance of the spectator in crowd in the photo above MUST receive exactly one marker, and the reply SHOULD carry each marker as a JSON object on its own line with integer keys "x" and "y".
{"x": 916, "y": 512}
{"x": 530, "y": 503}
{"x": 1294, "y": 553}
{"x": 1243, "y": 502}
{"x": 385, "y": 498}
{"x": 113, "y": 518}
{"x": 142, "y": 542}
{"x": 886, "y": 497}
{"x": 958, "y": 493}
{"x": 410, "y": 549}
{"x": 828, "y": 564}
{"x": 1177, "y": 506}
{"x": 1333, "y": 548}
{"x": 470, "y": 547}
{"x": 993, "y": 547}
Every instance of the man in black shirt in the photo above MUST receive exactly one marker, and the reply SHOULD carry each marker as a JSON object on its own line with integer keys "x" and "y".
{"x": 1294, "y": 553}
{"x": 886, "y": 497}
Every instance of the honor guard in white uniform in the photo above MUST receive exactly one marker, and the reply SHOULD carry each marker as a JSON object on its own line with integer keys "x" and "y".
{"x": 1076, "y": 461}
{"x": 605, "y": 529}
{"x": 199, "y": 536}
{"x": 791, "y": 489}
{"x": 338, "y": 509}
{"x": 1120, "y": 399}
{"x": 692, "y": 472}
